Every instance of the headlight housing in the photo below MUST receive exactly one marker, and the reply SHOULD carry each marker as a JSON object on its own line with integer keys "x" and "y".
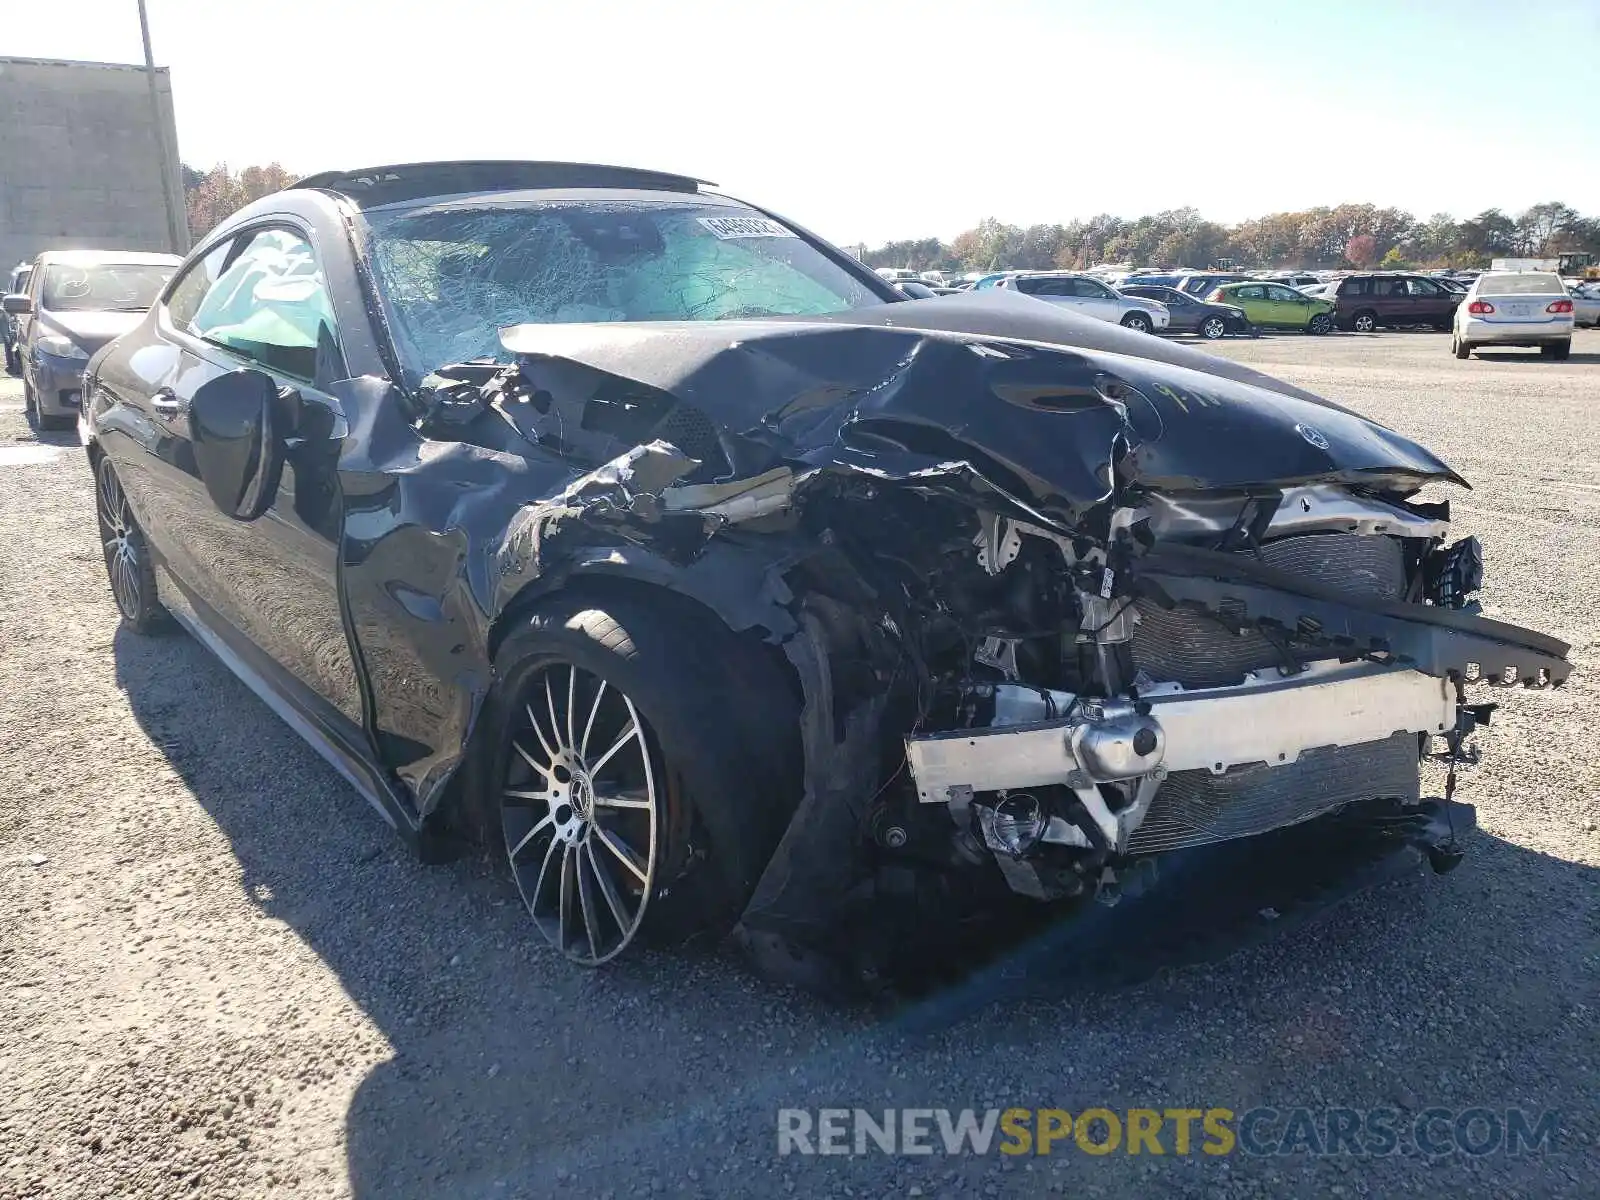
{"x": 61, "y": 347}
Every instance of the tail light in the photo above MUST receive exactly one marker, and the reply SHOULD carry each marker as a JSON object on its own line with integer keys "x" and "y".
{"x": 1480, "y": 306}
{"x": 1216, "y": 294}
{"x": 1559, "y": 306}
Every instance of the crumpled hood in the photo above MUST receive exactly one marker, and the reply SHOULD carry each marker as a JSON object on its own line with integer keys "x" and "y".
{"x": 89, "y": 330}
{"x": 1040, "y": 404}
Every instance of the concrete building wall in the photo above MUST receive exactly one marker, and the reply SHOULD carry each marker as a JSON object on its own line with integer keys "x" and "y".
{"x": 80, "y": 167}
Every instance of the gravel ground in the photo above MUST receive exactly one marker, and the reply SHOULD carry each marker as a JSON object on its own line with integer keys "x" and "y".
{"x": 221, "y": 975}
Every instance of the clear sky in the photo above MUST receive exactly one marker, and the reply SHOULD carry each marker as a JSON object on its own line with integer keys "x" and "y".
{"x": 872, "y": 119}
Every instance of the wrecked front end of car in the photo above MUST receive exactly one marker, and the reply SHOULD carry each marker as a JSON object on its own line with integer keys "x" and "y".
{"x": 1054, "y": 610}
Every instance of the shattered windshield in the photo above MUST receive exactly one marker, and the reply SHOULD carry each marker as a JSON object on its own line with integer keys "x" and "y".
{"x": 452, "y": 277}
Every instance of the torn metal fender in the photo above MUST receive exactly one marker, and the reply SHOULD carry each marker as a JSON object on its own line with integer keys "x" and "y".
{"x": 440, "y": 540}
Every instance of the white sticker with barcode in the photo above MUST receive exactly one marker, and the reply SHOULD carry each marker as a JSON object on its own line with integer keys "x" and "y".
{"x": 745, "y": 227}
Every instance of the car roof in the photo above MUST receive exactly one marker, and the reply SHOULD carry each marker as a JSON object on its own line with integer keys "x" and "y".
{"x": 398, "y": 183}
{"x": 100, "y": 258}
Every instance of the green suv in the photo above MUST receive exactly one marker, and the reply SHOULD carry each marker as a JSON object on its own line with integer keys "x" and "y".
{"x": 1274, "y": 306}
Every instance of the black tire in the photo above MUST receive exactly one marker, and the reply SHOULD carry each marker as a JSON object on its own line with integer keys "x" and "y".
{"x": 1137, "y": 322}
{"x": 717, "y": 764}
{"x": 1320, "y": 324}
{"x": 129, "y": 568}
{"x": 1459, "y": 348}
{"x": 30, "y": 410}
{"x": 13, "y": 361}
{"x": 1365, "y": 321}
{"x": 1556, "y": 350}
{"x": 1212, "y": 328}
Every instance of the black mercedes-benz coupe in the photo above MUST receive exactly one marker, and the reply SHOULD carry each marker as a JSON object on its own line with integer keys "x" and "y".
{"x": 651, "y": 540}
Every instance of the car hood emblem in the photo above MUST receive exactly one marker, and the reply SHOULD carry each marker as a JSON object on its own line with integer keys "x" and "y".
{"x": 1313, "y": 435}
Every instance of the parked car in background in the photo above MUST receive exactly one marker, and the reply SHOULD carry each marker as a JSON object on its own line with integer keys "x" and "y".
{"x": 1366, "y": 301}
{"x": 1294, "y": 279}
{"x": 1201, "y": 283}
{"x": 1274, "y": 306}
{"x": 1190, "y": 314}
{"x": 1586, "y": 304}
{"x": 76, "y": 302}
{"x": 1514, "y": 308}
{"x": 1088, "y": 295}
{"x": 8, "y": 324}
{"x": 984, "y": 282}
{"x": 1168, "y": 279}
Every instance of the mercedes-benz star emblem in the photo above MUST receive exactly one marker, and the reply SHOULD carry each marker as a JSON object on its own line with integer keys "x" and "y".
{"x": 1313, "y": 435}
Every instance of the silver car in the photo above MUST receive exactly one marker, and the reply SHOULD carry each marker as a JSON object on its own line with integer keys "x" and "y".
{"x": 76, "y": 301}
{"x": 1514, "y": 308}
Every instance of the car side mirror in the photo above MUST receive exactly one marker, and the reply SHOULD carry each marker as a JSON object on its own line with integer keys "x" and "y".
{"x": 17, "y": 305}
{"x": 236, "y": 426}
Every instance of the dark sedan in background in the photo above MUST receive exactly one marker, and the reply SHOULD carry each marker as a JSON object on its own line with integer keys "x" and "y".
{"x": 1190, "y": 314}
{"x": 76, "y": 302}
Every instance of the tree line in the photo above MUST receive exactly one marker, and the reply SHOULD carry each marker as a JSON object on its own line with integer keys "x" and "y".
{"x": 1349, "y": 235}
{"x": 213, "y": 196}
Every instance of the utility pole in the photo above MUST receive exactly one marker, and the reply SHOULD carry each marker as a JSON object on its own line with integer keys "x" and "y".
{"x": 176, "y": 235}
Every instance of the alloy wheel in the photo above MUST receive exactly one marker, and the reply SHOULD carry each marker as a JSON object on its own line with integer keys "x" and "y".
{"x": 121, "y": 541}
{"x": 1365, "y": 324}
{"x": 581, "y": 811}
{"x": 1213, "y": 327}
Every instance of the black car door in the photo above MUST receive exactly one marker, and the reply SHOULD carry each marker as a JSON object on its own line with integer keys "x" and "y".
{"x": 259, "y": 303}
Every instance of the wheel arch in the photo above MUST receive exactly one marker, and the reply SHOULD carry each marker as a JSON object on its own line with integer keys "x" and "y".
{"x": 725, "y": 662}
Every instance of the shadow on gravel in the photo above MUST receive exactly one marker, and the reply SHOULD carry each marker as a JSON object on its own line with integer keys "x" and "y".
{"x": 49, "y": 437}
{"x": 513, "y": 1074}
{"x": 1530, "y": 356}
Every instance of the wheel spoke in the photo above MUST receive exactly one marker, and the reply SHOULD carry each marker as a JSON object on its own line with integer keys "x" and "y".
{"x": 525, "y": 794}
{"x": 572, "y": 702}
{"x": 538, "y": 887}
{"x": 586, "y": 903}
{"x": 626, "y": 736}
{"x": 564, "y": 912}
{"x": 555, "y": 721}
{"x": 594, "y": 711}
{"x": 530, "y": 759}
{"x": 608, "y": 891}
{"x": 622, "y": 800}
{"x": 529, "y": 836}
{"x": 539, "y": 733}
{"x": 623, "y": 853}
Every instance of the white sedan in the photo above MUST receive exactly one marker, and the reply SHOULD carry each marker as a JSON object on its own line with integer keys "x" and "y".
{"x": 1586, "y": 304}
{"x": 1514, "y": 308}
{"x": 1086, "y": 294}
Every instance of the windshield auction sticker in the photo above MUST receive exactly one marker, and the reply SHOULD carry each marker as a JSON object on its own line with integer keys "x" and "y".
{"x": 745, "y": 227}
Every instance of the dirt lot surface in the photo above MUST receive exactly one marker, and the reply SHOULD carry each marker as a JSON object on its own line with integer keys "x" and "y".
{"x": 221, "y": 975}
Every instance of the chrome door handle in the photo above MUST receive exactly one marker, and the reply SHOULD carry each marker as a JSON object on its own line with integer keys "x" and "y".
{"x": 168, "y": 403}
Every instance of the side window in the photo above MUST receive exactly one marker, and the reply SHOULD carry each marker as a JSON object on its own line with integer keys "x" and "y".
{"x": 184, "y": 300}
{"x": 1093, "y": 290}
{"x": 1255, "y": 292}
{"x": 269, "y": 304}
{"x": 1353, "y": 287}
{"x": 1027, "y": 286}
{"x": 1283, "y": 294}
{"x": 1422, "y": 287}
{"x": 1388, "y": 287}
